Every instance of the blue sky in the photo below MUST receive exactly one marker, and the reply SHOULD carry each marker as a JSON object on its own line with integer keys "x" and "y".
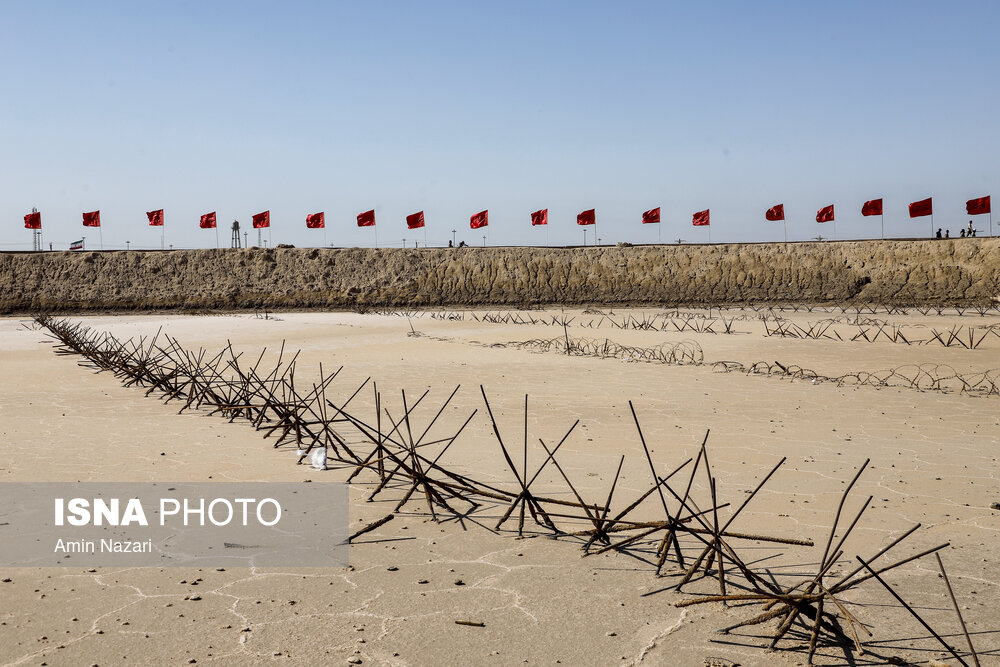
{"x": 456, "y": 107}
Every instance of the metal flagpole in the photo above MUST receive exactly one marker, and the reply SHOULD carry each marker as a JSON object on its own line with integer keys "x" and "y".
{"x": 100, "y": 231}
{"x": 784, "y": 227}
{"x": 324, "y": 233}
{"x": 883, "y": 225}
{"x": 991, "y": 220}
{"x": 216, "y": 236}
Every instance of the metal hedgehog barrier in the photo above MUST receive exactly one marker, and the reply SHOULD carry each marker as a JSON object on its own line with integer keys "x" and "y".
{"x": 401, "y": 449}
{"x": 925, "y": 377}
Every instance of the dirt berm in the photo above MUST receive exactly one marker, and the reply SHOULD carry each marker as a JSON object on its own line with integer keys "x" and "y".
{"x": 911, "y": 272}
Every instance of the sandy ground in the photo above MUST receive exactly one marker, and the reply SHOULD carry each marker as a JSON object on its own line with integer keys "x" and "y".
{"x": 933, "y": 461}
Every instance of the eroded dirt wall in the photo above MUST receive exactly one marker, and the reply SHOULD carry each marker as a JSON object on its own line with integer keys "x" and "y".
{"x": 931, "y": 271}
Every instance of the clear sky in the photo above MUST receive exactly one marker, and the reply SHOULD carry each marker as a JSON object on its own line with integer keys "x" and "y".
{"x": 511, "y": 106}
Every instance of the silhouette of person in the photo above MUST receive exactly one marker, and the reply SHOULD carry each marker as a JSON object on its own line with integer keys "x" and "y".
{"x": 946, "y": 233}
{"x": 938, "y": 233}
{"x": 962, "y": 233}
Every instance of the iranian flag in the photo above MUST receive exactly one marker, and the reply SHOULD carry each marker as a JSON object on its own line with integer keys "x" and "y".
{"x": 76, "y": 245}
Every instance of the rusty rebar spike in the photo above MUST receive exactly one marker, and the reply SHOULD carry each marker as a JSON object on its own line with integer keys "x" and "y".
{"x": 958, "y": 611}
{"x": 652, "y": 469}
{"x": 910, "y": 609}
{"x": 371, "y": 526}
{"x": 600, "y": 533}
{"x": 841, "y": 587}
{"x": 815, "y": 632}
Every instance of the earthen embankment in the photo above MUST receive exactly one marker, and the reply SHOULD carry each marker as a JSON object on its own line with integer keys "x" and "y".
{"x": 912, "y": 272}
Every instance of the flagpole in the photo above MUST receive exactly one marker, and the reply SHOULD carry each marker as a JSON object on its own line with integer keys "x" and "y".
{"x": 324, "y": 233}
{"x": 883, "y": 225}
{"x": 784, "y": 227}
{"x": 100, "y": 231}
{"x": 991, "y": 220}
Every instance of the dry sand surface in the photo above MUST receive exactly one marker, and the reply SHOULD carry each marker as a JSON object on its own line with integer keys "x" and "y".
{"x": 905, "y": 271}
{"x": 934, "y": 460}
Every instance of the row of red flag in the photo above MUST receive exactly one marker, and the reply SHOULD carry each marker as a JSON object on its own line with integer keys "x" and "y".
{"x": 262, "y": 220}
{"x": 917, "y": 209}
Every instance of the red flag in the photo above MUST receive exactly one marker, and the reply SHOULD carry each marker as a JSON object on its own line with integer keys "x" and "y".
{"x": 316, "y": 220}
{"x": 480, "y": 219}
{"x": 587, "y": 218}
{"x": 921, "y": 208}
{"x": 700, "y": 219}
{"x": 651, "y": 216}
{"x": 92, "y": 219}
{"x": 262, "y": 220}
{"x": 33, "y": 220}
{"x": 155, "y": 218}
{"x": 978, "y": 206}
{"x": 366, "y": 219}
{"x": 775, "y": 213}
{"x": 415, "y": 221}
{"x": 873, "y": 207}
{"x": 540, "y": 217}
{"x": 208, "y": 221}
{"x": 825, "y": 214}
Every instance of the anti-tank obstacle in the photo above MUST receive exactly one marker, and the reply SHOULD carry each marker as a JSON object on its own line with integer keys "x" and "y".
{"x": 405, "y": 450}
